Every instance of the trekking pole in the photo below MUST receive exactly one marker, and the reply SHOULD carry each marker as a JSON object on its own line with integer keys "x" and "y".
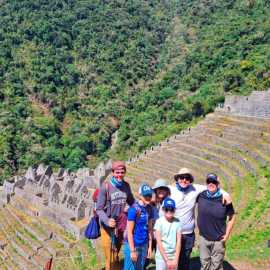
{"x": 113, "y": 243}
{"x": 111, "y": 252}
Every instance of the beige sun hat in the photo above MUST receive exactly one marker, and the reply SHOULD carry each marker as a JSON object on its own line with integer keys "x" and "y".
{"x": 184, "y": 171}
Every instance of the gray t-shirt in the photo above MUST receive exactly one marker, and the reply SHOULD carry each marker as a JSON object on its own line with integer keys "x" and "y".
{"x": 118, "y": 198}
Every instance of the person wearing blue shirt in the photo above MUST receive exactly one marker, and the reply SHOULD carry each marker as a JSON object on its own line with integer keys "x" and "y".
{"x": 138, "y": 245}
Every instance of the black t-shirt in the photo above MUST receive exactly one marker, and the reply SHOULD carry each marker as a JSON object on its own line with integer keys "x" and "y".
{"x": 212, "y": 216}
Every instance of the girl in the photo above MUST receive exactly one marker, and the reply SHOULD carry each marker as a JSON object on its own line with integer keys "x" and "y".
{"x": 139, "y": 231}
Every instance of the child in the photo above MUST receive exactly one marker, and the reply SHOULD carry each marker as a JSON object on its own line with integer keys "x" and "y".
{"x": 139, "y": 231}
{"x": 168, "y": 236}
{"x": 161, "y": 192}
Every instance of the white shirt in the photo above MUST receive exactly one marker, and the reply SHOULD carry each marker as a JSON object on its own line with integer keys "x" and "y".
{"x": 185, "y": 205}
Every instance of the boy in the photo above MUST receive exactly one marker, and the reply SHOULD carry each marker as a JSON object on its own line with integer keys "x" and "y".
{"x": 168, "y": 236}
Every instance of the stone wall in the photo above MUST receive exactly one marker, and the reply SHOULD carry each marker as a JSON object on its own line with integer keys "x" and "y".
{"x": 64, "y": 197}
{"x": 257, "y": 104}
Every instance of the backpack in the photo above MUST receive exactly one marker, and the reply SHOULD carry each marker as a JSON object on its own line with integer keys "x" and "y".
{"x": 92, "y": 230}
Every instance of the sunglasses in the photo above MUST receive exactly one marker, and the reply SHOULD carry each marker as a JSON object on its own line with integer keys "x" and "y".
{"x": 169, "y": 209}
{"x": 209, "y": 181}
{"x": 185, "y": 176}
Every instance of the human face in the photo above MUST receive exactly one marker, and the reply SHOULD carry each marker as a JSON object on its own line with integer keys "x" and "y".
{"x": 169, "y": 213}
{"x": 212, "y": 186}
{"x": 146, "y": 199}
{"x": 119, "y": 174}
{"x": 161, "y": 193}
{"x": 184, "y": 180}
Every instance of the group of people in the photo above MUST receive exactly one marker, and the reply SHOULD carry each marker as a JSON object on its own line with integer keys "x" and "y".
{"x": 162, "y": 219}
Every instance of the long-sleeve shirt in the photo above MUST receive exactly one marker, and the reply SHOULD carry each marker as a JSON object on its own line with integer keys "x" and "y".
{"x": 116, "y": 202}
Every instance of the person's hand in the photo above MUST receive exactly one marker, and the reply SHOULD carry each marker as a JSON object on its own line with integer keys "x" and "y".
{"x": 226, "y": 199}
{"x": 133, "y": 255}
{"x": 171, "y": 264}
{"x": 224, "y": 238}
{"x": 126, "y": 208}
{"x": 112, "y": 223}
{"x": 168, "y": 264}
{"x": 149, "y": 253}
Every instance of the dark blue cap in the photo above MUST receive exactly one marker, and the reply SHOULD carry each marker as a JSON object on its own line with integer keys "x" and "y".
{"x": 145, "y": 190}
{"x": 168, "y": 203}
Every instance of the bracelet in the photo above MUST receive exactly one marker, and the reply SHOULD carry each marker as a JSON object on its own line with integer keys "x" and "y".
{"x": 133, "y": 251}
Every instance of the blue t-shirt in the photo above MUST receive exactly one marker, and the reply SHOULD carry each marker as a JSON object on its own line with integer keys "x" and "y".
{"x": 140, "y": 215}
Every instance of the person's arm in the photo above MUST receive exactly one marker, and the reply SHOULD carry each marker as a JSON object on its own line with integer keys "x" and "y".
{"x": 199, "y": 188}
{"x": 160, "y": 247}
{"x": 130, "y": 197}
{"x": 178, "y": 248}
{"x": 229, "y": 228}
{"x": 130, "y": 228}
{"x": 101, "y": 206}
{"x": 150, "y": 236}
{"x": 226, "y": 198}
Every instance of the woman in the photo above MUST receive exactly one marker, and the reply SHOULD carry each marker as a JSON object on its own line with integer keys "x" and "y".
{"x": 162, "y": 191}
{"x": 138, "y": 245}
{"x": 213, "y": 226}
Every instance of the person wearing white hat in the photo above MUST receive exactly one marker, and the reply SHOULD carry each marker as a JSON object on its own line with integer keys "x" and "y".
{"x": 184, "y": 192}
{"x": 161, "y": 191}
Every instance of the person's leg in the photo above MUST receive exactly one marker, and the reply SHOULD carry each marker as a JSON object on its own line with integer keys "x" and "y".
{"x": 106, "y": 245}
{"x": 160, "y": 265}
{"x": 128, "y": 263}
{"x": 148, "y": 260}
{"x": 217, "y": 255}
{"x": 187, "y": 244}
{"x": 142, "y": 254}
{"x": 205, "y": 253}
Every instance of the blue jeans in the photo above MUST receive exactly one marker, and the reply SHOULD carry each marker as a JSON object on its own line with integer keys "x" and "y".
{"x": 141, "y": 253}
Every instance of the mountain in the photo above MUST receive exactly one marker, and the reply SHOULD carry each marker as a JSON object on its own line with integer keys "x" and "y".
{"x": 72, "y": 73}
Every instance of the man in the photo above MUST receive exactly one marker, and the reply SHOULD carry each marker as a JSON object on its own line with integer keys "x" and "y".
{"x": 185, "y": 194}
{"x": 113, "y": 198}
{"x": 212, "y": 219}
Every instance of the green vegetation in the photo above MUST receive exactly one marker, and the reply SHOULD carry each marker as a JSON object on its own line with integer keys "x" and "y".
{"x": 74, "y": 72}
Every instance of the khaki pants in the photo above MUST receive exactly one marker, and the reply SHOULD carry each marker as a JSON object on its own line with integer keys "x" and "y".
{"x": 211, "y": 254}
{"x": 111, "y": 256}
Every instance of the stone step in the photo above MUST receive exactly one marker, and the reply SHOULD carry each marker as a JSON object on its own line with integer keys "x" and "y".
{"x": 17, "y": 261}
{"x": 180, "y": 163}
{"x": 209, "y": 155}
{"x": 230, "y": 153}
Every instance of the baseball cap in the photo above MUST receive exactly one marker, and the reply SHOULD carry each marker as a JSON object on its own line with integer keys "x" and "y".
{"x": 168, "y": 203}
{"x": 145, "y": 190}
{"x": 211, "y": 178}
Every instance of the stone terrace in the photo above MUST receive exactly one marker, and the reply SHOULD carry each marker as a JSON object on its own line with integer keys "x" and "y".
{"x": 233, "y": 142}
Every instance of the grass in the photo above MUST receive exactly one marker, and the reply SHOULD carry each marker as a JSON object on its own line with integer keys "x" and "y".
{"x": 251, "y": 242}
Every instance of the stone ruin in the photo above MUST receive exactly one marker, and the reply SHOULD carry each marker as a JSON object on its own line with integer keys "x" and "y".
{"x": 63, "y": 197}
{"x": 257, "y": 104}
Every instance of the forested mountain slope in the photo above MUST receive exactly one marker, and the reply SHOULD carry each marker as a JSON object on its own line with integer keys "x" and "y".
{"x": 74, "y": 72}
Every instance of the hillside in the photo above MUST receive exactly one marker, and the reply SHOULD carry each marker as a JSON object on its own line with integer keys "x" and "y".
{"x": 235, "y": 147}
{"x": 44, "y": 213}
{"x": 74, "y": 72}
